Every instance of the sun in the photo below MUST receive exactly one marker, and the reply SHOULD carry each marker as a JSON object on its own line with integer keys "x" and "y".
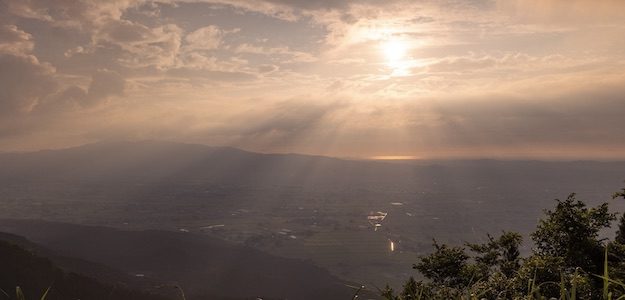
{"x": 394, "y": 50}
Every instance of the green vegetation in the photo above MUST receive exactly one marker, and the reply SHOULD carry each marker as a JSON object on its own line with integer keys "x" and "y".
{"x": 569, "y": 261}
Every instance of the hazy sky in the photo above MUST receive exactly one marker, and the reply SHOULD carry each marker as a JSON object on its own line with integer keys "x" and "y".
{"x": 449, "y": 78}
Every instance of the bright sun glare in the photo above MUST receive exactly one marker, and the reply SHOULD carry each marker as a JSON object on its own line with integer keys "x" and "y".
{"x": 395, "y": 52}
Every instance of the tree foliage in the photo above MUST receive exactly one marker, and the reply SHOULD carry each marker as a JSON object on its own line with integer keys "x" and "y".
{"x": 567, "y": 261}
{"x": 571, "y": 232}
{"x": 620, "y": 233}
{"x": 498, "y": 254}
{"x": 446, "y": 266}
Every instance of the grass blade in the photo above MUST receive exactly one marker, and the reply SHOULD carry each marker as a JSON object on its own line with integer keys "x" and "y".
{"x": 43, "y": 297}
{"x": 574, "y": 285}
{"x": 18, "y": 293}
{"x": 606, "y": 276}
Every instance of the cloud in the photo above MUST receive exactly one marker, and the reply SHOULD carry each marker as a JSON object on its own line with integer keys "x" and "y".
{"x": 124, "y": 31}
{"x": 104, "y": 84}
{"x": 290, "y": 118}
{"x": 15, "y": 41}
{"x": 144, "y": 47}
{"x": 274, "y": 52}
{"x": 518, "y": 62}
{"x": 579, "y": 119}
{"x": 275, "y": 10}
{"x": 211, "y": 75}
{"x": 265, "y": 68}
{"x": 271, "y": 126}
{"x": 205, "y": 38}
{"x": 24, "y": 83}
{"x": 81, "y": 14}
{"x": 572, "y": 12}
{"x": 104, "y": 31}
{"x": 28, "y": 85}
{"x": 314, "y": 5}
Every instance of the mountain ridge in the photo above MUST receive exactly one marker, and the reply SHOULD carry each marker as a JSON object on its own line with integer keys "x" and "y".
{"x": 160, "y": 143}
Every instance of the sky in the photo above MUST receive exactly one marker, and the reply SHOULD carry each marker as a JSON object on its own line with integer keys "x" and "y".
{"x": 539, "y": 79}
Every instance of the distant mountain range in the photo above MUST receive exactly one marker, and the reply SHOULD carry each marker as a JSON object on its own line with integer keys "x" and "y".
{"x": 160, "y": 161}
{"x": 165, "y": 161}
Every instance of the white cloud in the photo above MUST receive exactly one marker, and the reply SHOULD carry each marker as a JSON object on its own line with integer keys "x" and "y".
{"x": 291, "y": 55}
{"x": 15, "y": 41}
{"x": 279, "y": 11}
{"x": 146, "y": 47}
{"x": 81, "y": 14}
{"x": 574, "y": 12}
{"x": 205, "y": 38}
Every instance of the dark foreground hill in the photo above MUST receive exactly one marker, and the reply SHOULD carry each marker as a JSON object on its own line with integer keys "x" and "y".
{"x": 102, "y": 273}
{"x": 200, "y": 264}
{"x": 35, "y": 274}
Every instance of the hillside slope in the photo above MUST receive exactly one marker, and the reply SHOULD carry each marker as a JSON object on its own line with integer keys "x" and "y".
{"x": 200, "y": 264}
{"x": 35, "y": 274}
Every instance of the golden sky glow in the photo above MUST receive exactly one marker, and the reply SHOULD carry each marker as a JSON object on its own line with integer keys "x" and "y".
{"x": 394, "y": 157}
{"x": 430, "y": 79}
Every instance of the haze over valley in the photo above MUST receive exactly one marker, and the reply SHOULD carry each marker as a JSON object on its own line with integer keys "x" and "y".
{"x": 295, "y": 206}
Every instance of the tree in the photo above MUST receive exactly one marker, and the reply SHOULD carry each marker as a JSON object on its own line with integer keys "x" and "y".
{"x": 619, "y": 194}
{"x": 568, "y": 255}
{"x": 620, "y": 233}
{"x": 616, "y": 249}
{"x": 411, "y": 289}
{"x": 446, "y": 266}
{"x": 453, "y": 271}
{"x": 498, "y": 254}
{"x": 571, "y": 232}
{"x": 388, "y": 293}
